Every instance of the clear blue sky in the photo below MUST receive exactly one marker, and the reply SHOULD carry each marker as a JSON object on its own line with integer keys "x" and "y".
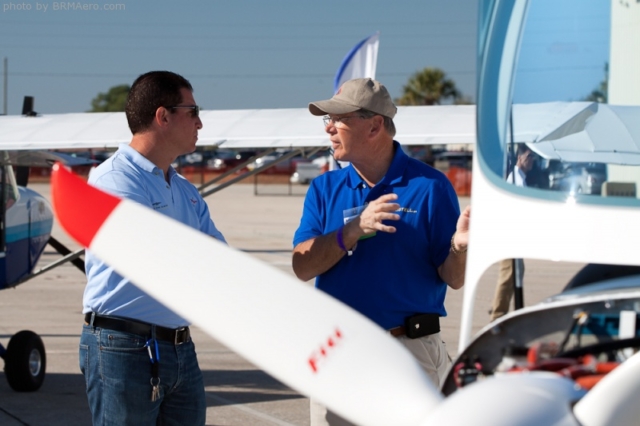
{"x": 565, "y": 46}
{"x": 236, "y": 53}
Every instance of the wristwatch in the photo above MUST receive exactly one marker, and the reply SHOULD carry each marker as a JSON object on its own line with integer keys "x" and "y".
{"x": 454, "y": 250}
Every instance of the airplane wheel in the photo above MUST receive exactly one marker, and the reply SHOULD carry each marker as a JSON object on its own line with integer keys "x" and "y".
{"x": 25, "y": 362}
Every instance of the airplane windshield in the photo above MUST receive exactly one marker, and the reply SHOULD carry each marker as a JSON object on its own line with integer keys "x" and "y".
{"x": 571, "y": 131}
{"x": 10, "y": 188}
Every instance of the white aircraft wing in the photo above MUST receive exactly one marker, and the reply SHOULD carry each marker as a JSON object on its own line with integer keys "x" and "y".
{"x": 255, "y": 128}
{"x": 580, "y": 131}
{"x": 41, "y": 158}
{"x": 561, "y": 130}
{"x": 63, "y": 131}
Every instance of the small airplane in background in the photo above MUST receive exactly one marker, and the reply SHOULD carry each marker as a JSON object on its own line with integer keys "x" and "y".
{"x": 26, "y": 221}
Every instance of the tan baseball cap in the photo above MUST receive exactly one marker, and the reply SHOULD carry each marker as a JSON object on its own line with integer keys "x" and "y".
{"x": 359, "y": 93}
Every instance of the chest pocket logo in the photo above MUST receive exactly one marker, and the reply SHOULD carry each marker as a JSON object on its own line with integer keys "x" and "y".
{"x": 159, "y": 205}
{"x": 406, "y": 210}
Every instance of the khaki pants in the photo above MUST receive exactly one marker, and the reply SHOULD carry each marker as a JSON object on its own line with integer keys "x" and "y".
{"x": 431, "y": 353}
{"x": 504, "y": 288}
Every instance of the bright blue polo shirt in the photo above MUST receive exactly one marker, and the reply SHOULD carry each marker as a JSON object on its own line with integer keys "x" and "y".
{"x": 389, "y": 276}
{"x": 130, "y": 175}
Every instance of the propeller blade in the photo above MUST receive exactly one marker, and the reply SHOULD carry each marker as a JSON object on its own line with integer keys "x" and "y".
{"x": 514, "y": 399}
{"x": 303, "y": 337}
{"x": 614, "y": 400}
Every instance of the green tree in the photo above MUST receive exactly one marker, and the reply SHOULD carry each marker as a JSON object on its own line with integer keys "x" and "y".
{"x": 112, "y": 101}
{"x": 601, "y": 94}
{"x": 429, "y": 86}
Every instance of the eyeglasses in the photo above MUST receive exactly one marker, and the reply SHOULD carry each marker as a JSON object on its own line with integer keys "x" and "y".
{"x": 336, "y": 121}
{"x": 527, "y": 156}
{"x": 195, "y": 109}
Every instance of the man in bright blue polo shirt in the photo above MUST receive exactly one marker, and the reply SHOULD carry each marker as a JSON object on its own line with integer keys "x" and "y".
{"x": 137, "y": 356}
{"x": 385, "y": 234}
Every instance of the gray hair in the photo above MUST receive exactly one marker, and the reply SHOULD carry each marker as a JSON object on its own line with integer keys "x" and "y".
{"x": 388, "y": 122}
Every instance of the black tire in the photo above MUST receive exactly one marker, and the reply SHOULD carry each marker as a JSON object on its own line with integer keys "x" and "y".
{"x": 25, "y": 362}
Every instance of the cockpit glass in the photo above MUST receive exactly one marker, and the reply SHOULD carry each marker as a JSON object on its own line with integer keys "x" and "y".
{"x": 10, "y": 191}
{"x": 573, "y": 121}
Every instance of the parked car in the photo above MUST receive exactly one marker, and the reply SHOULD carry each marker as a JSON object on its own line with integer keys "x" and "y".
{"x": 193, "y": 160}
{"x": 288, "y": 166}
{"x": 225, "y": 159}
{"x": 306, "y": 172}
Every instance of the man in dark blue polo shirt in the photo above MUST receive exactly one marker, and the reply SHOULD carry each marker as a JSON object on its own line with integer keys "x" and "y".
{"x": 385, "y": 234}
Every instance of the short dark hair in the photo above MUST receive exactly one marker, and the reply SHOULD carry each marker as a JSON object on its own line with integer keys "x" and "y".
{"x": 522, "y": 148}
{"x": 149, "y": 92}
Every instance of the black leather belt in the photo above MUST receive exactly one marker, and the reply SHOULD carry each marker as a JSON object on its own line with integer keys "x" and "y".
{"x": 176, "y": 336}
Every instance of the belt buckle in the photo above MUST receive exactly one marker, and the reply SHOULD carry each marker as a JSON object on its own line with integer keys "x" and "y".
{"x": 175, "y": 336}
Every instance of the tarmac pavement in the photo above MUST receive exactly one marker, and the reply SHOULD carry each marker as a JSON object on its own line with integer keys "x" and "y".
{"x": 259, "y": 220}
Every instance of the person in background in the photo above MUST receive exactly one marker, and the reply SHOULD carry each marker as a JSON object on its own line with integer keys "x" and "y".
{"x": 507, "y": 267}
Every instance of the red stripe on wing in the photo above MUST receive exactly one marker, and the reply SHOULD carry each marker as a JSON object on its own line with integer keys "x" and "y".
{"x": 80, "y": 208}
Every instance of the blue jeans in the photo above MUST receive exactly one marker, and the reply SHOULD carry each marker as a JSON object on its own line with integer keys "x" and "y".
{"x": 117, "y": 372}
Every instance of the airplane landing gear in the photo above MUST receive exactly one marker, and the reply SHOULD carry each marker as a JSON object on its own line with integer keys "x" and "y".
{"x": 25, "y": 361}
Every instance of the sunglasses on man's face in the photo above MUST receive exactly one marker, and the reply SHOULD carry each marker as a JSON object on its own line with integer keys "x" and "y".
{"x": 195, "y": 109}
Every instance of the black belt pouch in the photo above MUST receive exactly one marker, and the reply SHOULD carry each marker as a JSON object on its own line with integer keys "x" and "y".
{"x": 420, "y": 325}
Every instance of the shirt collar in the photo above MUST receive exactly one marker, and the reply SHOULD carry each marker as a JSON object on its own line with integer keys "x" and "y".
{"x": 393, "y": 175}
{"x": 523, "y": 176}
{"x": 141, "y": 161}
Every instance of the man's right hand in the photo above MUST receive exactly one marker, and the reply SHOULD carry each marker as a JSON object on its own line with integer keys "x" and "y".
{"x": 383, "y": 208}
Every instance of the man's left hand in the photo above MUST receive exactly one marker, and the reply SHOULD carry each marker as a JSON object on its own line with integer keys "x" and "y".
{"x": 461, "y": 239}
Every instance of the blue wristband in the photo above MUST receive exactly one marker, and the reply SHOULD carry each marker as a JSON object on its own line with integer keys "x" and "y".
{"x": 341, "y": 242}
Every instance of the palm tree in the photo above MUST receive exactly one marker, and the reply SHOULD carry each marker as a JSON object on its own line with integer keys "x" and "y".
{"x": 601, "y": 93}
{"x": 428, "y": 87}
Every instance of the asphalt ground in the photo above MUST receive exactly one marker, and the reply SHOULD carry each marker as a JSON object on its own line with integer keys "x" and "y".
{"x": 260, "y": 220}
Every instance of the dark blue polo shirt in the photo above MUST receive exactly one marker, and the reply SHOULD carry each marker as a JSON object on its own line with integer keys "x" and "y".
{"x": 389, "y": 276}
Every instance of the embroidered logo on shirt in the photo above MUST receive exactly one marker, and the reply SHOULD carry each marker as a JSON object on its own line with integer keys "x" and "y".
{"x": 193, "y": 201}
{"x": 159, "y": 205}
{"x": 406, "y": 210}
